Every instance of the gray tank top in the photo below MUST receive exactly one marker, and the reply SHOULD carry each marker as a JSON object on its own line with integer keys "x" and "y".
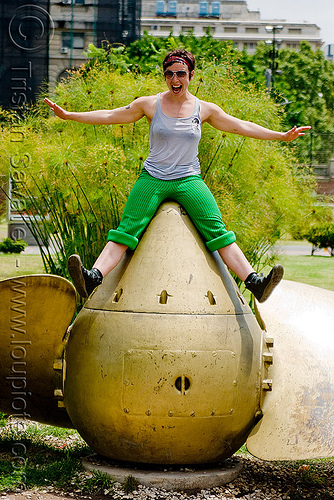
{"x": 174, "y": 145}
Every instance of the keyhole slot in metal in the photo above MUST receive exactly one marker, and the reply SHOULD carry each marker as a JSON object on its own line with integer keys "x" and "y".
{"x": 118, "y": 295}
{"x": 182, "y": 384}
{"x": 163, "y": 297}
{"x": 211, "y": 298}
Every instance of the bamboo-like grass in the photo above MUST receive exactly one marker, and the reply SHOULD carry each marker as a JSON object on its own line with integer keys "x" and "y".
{"x": 79, "y": 176}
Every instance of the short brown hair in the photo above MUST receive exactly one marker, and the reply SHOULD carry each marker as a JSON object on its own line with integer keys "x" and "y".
{"x": 182, "y": 54}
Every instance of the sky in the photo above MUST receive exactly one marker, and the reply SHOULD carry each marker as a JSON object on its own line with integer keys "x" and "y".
{"x": 320, "y": 12}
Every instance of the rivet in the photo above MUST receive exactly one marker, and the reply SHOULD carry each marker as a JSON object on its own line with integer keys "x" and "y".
{"x": 192, "y": 413}
{"x": 170, "y": 413}
{"x": 148, "y": 413}
{"x": 267, "y": 385}
{"x": 212, "y": 413}
{"x": 235, "y": 383}
{"x": 233, "y": 354}
{"x": 126, "y": 410}
{"x": 269, "y": 342}
{"x": 268, "y": 358}
{"x": 58, "y": 364}
{"x": 231, "y": 411}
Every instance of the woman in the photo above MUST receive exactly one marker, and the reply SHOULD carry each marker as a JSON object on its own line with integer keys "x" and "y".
{"x": 172, "y": 170}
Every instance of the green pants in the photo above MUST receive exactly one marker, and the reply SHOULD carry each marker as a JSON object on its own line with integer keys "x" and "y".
{"x": 191, "y": 192}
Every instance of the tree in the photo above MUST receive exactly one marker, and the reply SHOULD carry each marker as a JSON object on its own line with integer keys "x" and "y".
{"x": 321, "y": 236}
{"x": 306, "y": 82}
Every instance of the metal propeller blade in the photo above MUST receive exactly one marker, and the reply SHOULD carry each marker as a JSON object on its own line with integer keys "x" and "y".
{"x": 298, "y": 414}
{"x": 35, "y": 312}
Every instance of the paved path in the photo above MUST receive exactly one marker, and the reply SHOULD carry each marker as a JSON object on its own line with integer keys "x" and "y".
{"x": 300, "y": 249}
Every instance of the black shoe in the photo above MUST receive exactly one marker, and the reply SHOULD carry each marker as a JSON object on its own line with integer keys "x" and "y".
{"x": 84, "y": 281}
{"x": 261, "y": 287}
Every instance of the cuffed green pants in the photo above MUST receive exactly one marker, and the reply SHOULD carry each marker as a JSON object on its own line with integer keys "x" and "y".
{"x": 191, "y": 192}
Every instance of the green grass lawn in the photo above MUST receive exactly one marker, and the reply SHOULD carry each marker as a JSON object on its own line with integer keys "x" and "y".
{"x": 313, "y": 270}
{"x": 19, "y": 265}
{"x": 3, "y": 231}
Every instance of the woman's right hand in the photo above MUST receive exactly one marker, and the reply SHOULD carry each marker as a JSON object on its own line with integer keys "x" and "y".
{"x": 58, "y": 111}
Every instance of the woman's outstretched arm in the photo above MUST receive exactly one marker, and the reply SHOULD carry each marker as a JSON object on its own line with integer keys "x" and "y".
{"x": 215, "y": 116}
{"x": 127, "y": 114}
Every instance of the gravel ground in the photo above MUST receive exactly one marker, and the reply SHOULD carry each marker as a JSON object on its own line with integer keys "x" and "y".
{"x": 258, "y": 480}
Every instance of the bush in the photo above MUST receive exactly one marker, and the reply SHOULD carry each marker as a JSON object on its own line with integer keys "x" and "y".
{"x": 10, "y": 246}
{"x": 321, "y": 236}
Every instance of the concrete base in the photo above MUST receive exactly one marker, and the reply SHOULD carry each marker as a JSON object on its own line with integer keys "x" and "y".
{"x": 184, "y": 479}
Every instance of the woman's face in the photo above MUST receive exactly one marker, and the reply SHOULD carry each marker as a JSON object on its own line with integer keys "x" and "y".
{"x": 177, "y": 78}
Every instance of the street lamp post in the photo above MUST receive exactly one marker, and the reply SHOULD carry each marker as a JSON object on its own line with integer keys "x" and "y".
{"x": 273, "y": 55}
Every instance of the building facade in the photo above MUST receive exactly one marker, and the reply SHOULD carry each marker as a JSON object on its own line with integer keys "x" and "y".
{"x": 225, "y": 20}
{"x": 77, "y": 23}
{"x": 41, "y": 40}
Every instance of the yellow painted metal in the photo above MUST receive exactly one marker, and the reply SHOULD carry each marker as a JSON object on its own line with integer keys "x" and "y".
{"x": 163, "y": 365}
{"x": 171, "y": 272}
{"x": 35, "y": 312}
{"x": 298, "y": 421}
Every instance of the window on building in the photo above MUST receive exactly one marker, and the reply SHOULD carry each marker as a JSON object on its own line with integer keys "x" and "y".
{"x": 215, "y": 9}
{"x": 252, "y": 30}
{"x": 172, "y": 8}
{"x": 209, "y": 29}
{"x": 249, "y": 46}
{"x": 187, "y": 29}
{"x": 166, "y": 29}
{"x": 76, "y": 2}
{"x": 78, "y": 40}
{"x": 160, "y": 8}
{"x": 295, "y": 31}
{"x": 230, "y": 29}
{"x": 203, "y": 8}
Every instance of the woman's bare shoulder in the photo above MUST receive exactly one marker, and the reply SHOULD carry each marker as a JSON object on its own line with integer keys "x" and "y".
{"x": 148, "y": 104}
{"x": 207, "y": 109}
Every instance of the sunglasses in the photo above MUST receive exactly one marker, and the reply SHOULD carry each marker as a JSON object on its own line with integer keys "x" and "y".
{"x": 180, "y": 74}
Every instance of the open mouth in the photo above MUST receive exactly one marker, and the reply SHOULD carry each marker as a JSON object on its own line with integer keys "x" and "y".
{"x": 176, "y": 89}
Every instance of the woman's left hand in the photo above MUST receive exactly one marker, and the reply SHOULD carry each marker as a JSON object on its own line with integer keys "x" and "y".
{"x": 294, "y": 133}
